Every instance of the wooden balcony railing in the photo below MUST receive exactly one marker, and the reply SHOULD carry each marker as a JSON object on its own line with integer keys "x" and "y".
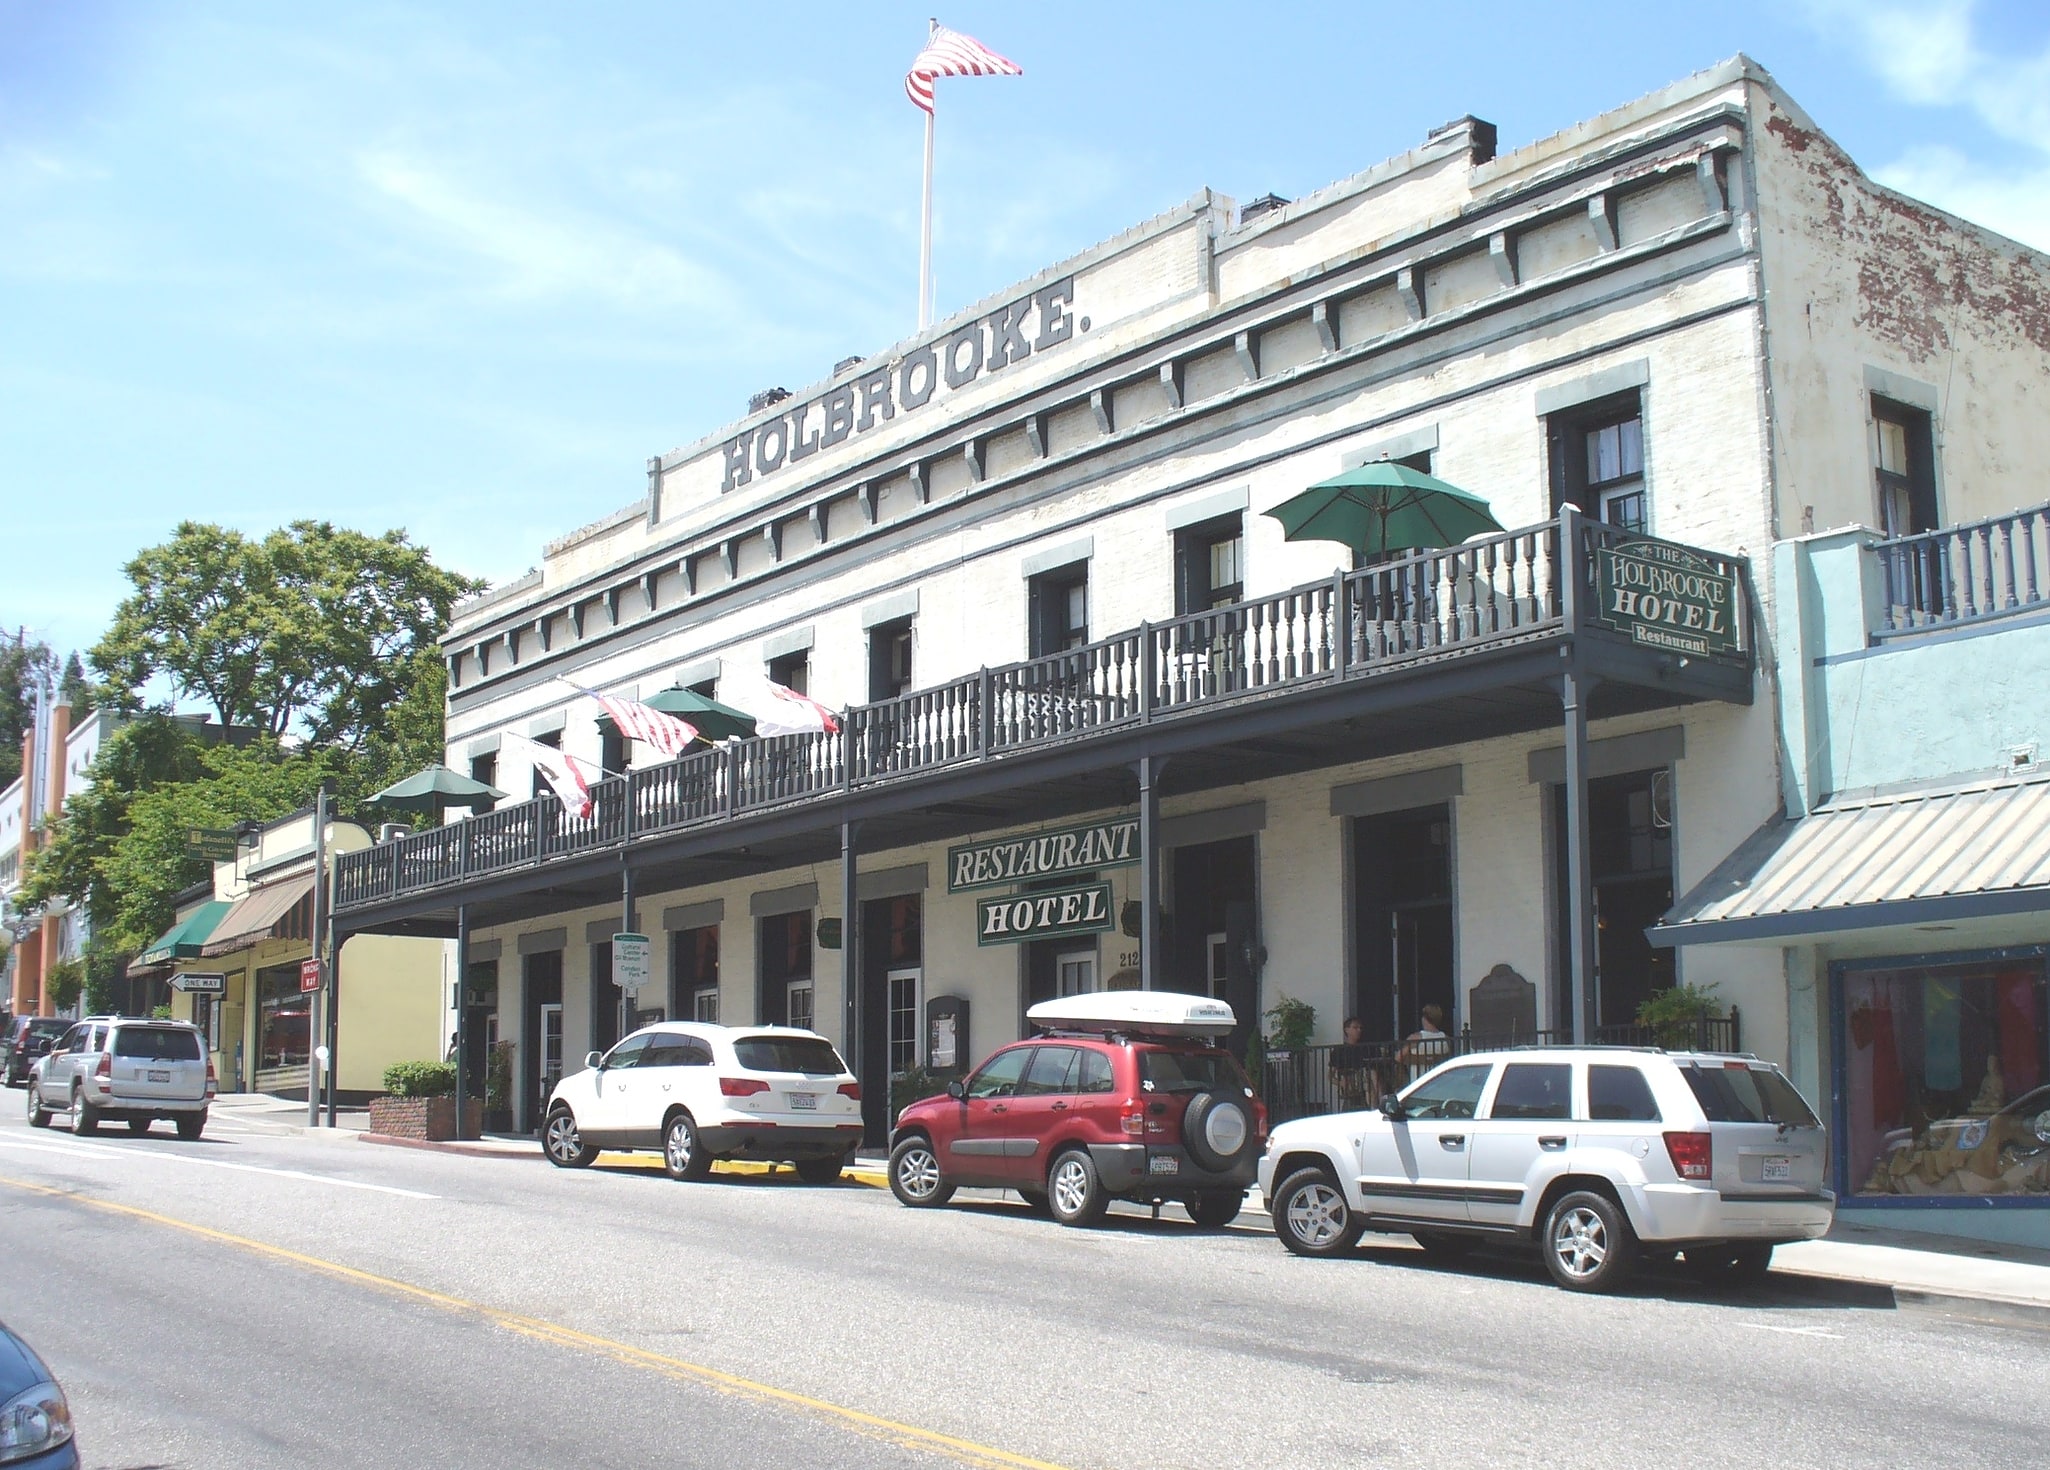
{"x": 1965, "y": 574}
{"x": 1428, "y": 606}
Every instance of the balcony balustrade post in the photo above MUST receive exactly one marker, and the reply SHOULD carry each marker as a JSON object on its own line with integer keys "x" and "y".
{"x": 732, "y": 777}
{"x": 1566, "y": 569}
{"x": 1148, "y": 673}
{"x": 1341, "y": 625}
{"x": 465, "y": 845}
{"x": 986, "y": 714}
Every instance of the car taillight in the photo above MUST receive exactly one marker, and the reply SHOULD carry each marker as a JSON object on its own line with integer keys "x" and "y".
{"x": 213, "y": 1083}
{"x": 742, "y": 1086}
{"x": 851, "y": 1089}
{"x": 1693, "y": 1154}
{"x": 1133, "y": 1120}
{"x": 103, "y": 1074}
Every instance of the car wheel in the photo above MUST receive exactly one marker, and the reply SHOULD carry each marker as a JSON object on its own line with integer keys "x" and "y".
{"x": 1216, "y": 1131}
{"x": 1729, "y": 1265}
{"x": 1442, "y": 1245}
{"x": 1216, "y": 1207}
{"x": 38, "y": 1115}
{"x": 563, "y": 1144}
{"x": 1587, "y": 1242}
{"x": 1311, "y": 1216}
{"x": 822, "y": 1171}
{"x": 915, "y": 1176}
{"x": 683, "y": 1152}
{"x": 1075, "y": 1190}
{"x": 191, "y": 1125}
{"x": 85, "y": 1118}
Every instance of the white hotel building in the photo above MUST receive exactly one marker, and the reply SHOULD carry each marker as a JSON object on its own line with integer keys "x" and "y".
{"x": 1027, "y": 554}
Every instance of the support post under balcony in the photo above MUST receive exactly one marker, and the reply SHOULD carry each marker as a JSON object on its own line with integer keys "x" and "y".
{"x": 626, "y": 926}
{"x": 1575, "y": 689}
{"x": 1149, "y": 870}
{"x": 462, "y": 1007}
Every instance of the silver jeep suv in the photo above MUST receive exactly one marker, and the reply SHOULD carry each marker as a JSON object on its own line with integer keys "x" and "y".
{"x": 1595, "y": 1155}
{"x": 109, "y": 1069}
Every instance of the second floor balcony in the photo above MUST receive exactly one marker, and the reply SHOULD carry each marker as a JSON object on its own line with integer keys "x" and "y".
{"x": 1431, "y": 648}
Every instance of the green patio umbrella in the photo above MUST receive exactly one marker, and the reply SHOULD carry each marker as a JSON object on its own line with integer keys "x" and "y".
{"x": 435, "y": 789}
{"x": 714, "y": 721}
{"x": 1384, "y": 507}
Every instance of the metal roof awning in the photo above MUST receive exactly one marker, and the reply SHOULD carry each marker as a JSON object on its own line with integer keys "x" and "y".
{"x": 182, "y": 941}
{"x": 1965, "y": 850}
{"x": 271, "y": 911}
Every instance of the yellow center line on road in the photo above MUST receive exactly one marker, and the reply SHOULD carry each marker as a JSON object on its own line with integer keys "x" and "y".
{"x": 908, "y": 1436}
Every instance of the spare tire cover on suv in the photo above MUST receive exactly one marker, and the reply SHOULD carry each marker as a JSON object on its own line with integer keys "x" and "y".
{"x": 1216, "y": 1131}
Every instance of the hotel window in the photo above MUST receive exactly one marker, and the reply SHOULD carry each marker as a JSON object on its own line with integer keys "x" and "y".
{"x": 1210, "y": 565}
{"x": 704, "y": 1004}
{"x": 613, "y": 748}
{"x": 694, "y": 972}
{"x": 904, "y": 986}
{"x": 792, "y": 671}
{"x": 797, "y": 1005}
{"x": 1905, "y": 453}
{"x": 1058, "y": 607}
{"x": 889, "y": 660}
{"x": 1941, "y": 1078}
{"x": 540, "y": 787}
{"x": 783, "y": 945}
{"x": 1597, "y": 453}
{"x": 484, "y": 768}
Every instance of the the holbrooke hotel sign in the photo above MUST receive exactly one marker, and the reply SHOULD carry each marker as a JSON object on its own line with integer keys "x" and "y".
{"x": 1663, "y": 596}
{"x": 1012, "y": 333}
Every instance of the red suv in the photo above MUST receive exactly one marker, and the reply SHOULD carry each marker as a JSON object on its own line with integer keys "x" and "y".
{"x": 1081, "y": 1116}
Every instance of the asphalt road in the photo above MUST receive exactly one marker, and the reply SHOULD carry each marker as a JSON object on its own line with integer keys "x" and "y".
{"x": 254, "y": 1300}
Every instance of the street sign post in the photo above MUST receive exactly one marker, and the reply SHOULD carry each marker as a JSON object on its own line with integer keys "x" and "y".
{"x": 632, "y": 959}
{"x": 192, "y": 982}
{"x": 309, "y": 976}
{"x": 214, "y": 844}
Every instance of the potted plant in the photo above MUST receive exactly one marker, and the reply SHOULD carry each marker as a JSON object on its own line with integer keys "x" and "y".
{"x": 421, "y": 1103}
{"x": 1674, "y": 1016}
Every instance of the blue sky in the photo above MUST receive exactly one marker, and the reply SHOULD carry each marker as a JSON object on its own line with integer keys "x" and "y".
{"x": 461, "y": 268}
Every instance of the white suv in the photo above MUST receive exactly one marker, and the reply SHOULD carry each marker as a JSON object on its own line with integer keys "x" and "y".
{"x": 1595, "y": 1155}
{"x": 700, "y": 1092}
{"x": 112, "y": 1069}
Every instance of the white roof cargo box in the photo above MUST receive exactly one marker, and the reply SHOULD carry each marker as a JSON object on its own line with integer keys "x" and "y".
{"x": 1152, "y": 1012}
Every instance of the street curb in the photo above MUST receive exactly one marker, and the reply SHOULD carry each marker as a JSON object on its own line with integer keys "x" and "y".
{"x": 871, "y": 1178}
{"x": 2002, "y": 1311}
{"x": 471, "y": 1150}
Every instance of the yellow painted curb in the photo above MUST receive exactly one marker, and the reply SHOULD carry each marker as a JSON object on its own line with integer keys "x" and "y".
{"x": 873, "y": 1178}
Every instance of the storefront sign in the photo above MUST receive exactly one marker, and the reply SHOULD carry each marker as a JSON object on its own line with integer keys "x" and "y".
{"x": 1662, "y": 596}
{"x": 1112, "y": 844}
{"x": 309, "y": 975}
{"x": 632, "y": 962}
{"x": 1022, "y": 916}
{"x": 193, "y": 983}
{"x": 210, "y": 843}
{"x": 1011, "y": 333}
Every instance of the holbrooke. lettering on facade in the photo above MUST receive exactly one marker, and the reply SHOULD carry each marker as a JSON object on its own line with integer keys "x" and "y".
{"x": 1045, "y": 855}
{"x": 875, "y": 396}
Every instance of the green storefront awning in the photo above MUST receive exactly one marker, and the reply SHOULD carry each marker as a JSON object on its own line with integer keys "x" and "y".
{"x": 182, "y": 940}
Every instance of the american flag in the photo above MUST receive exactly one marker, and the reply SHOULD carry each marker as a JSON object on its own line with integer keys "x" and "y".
{"x": 792, "y": 714}
{"x": 563, "y": 773}
{"x": 651, "y": 726}
{"x": 951, "y": 54}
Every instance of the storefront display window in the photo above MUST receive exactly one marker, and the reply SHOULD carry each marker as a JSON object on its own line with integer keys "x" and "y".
{"x": 285, "y": 1021}
{"x": 1944, "y": 1079}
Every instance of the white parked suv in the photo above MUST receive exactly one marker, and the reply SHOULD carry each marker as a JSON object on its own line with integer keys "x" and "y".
{"x": 1595, "y": 1155}
{"x": 114, "y": 1069}
{"x": 700, "y": 1092}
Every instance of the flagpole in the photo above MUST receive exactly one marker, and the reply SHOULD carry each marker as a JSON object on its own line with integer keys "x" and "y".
{"x": 925, "y": 215}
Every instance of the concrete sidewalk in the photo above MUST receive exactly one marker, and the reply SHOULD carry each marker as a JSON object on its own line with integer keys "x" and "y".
{"x": 1978, "y": 1280}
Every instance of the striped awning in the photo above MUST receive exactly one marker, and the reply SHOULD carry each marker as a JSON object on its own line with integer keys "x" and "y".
{"x": 183, "y": 939}
{"x": 280, "y": 910}
{"x": 1934, "y": 854}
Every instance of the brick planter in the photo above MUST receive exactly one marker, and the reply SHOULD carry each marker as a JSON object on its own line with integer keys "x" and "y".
{"x": 430, "y": 1118}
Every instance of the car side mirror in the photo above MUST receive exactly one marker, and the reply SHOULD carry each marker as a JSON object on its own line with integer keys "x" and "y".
{"x": 595, "y": 1060}
{"x": 956, "y": 1089}
{"x": 43, "y": 1048}
{"x": 1392, "y": 1108}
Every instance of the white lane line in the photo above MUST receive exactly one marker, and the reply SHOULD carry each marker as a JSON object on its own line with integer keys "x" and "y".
{"x": 102, "y": 1151}
{"x": 1793, "y": 1331}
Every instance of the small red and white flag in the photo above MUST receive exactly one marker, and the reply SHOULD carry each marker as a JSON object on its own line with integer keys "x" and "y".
{"x": 786, "y": 712}
{"x": 951, "y": 54}
{"x": 563, "y": 773}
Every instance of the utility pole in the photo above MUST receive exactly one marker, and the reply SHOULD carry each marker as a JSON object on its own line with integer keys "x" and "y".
{"x": 325, "y": 993}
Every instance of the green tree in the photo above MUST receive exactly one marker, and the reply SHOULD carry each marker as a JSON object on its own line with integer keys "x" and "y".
{"x": 310, "y": 631}
{"x": 76, "y": 690}
{"x": 23, "y": 667}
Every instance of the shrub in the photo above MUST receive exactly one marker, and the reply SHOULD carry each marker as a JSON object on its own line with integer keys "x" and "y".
{"x": 64, "y": 982}
{"x": 1674, "y": 1016}
{"x": 908, "y": 1087}
{"x": 420, "y": 1079}
{"x": 1290, "y": 1023}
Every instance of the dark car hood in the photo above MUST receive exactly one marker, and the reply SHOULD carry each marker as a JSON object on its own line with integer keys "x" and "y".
{"x": 19, "y": 1366}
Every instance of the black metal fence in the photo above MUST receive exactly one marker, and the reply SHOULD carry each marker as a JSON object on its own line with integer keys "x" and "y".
{"x": 1310, "y": 1080}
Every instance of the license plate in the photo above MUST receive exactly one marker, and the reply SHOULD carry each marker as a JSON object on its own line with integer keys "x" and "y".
{"x": 160, "y": 1076}
{"x": 1163, "y": 1164}
{"x": 803, "y": 1100}
{"x": 1779, "y": 1169}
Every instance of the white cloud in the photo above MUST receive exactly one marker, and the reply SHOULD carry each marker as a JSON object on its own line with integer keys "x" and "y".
{"x": 1930, "y": 54}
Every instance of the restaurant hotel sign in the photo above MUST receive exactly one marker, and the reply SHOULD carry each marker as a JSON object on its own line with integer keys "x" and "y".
{"x": 1013, "y": 332}
{"x": 1078, "y": 908}
{"x": 1662, "y": 596}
